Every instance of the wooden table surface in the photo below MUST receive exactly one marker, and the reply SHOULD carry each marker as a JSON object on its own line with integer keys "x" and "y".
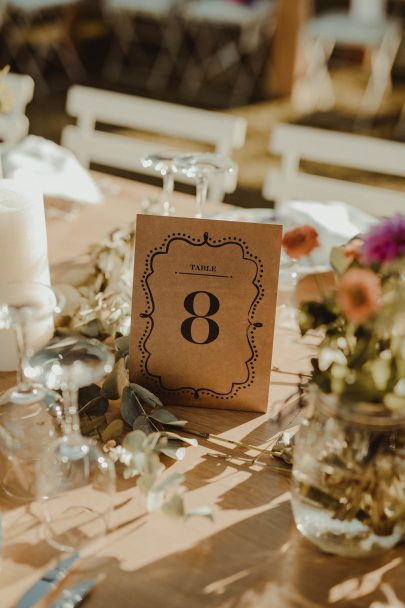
{"x": 251, "y": 556}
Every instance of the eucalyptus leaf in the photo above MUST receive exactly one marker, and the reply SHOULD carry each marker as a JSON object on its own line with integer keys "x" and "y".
{"x": 174, "y": 449}
{"x": 94, "y": 329}
{"x": 145, "y": 395}
{"x": 165, "y": 417}
{"x": 95, "y": 407}
{"x": 129, "y": 407}
{"x": 200, "y": 512}
{"x": 174, "y": 507}
{"x": 87, "y": 393}
{"x": 142, "y": 423}
{"x": 134, "y": 441}
{"x": 145, "y": 483}
{"x": 122, "y": 345}
{"x": 113, "y": 430}
{"x": 88, "y": 425}
{"x": 115, "y": 382}
{"x": 188, "y": 440}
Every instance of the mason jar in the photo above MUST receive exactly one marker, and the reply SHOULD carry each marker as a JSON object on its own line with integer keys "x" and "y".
{"x": 348, "y": 490}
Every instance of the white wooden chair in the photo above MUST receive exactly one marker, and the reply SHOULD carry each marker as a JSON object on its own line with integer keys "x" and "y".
{"x": 364, "y": 25}
{"x": 295, "y": 143}
{"x": 14, "y": 124}
{"x": 215, "y": 52}
{"x": 221, "y": 132}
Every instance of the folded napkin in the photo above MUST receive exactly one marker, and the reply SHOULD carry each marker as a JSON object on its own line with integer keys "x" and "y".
{"x": 56, "y": 170}
{"x": 335, "y": 222}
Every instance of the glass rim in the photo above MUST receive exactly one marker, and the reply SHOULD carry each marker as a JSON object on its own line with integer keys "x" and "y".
{"x": 54, "y": 300}
{"x": 360, "y": 413}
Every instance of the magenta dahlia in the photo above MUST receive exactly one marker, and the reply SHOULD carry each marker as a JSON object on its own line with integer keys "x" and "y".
{"x": 385, "y": 242}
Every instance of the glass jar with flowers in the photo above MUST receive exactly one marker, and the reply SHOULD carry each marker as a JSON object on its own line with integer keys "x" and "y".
{"x": 348, "y": 493}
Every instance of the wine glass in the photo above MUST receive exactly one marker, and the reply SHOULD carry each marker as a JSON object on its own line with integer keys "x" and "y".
{"x": 30, "y": 414}
{"x": 201, "y": 168}
{"x": 286, "y": 310}
{"x": 162, "y": 163}
{"x": 75, "y": 480}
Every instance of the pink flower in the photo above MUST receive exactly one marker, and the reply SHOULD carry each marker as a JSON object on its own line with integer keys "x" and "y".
{"x": 386, "y": 241}
{"x": 354, "y": 250}
{"x": 300, "y": 241}
{"x": 358, "y": 294}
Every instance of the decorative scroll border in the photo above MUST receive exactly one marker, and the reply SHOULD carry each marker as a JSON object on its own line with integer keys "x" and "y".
{"x": 150, "y": 305}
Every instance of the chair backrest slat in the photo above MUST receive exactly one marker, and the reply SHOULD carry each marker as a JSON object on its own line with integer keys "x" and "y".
{"x": 90, "y": 106}
{"x": 296, "y": 143}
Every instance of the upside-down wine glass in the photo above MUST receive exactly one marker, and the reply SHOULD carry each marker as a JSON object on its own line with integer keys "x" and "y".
{"x": 75, "y": 480}
{"x": 286, "y": 310}
{"x": 162, "y": 163}
{"x": 202, "y": 168}
{"x": 30, "y": 414}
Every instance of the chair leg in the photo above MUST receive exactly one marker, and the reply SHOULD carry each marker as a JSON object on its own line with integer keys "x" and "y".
{"x": 165, "y": 62}
{"x": 379, "y": 83}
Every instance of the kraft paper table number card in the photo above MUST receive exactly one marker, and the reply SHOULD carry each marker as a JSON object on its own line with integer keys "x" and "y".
{"x": 203, "y": 311}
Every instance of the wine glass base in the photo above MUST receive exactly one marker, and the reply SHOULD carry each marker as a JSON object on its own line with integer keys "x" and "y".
{"x": 74, "y": 527}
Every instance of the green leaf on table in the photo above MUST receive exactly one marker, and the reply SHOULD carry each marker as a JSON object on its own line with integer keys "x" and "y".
{"x": 94, "y": 329}
{"x": 95, "y": 407}
{"x": 122, "y": 345}
{"x": 144, "y": 395}
{"x": 165, "y": 417}
{"x": 174, "y": 507}
{"x": 87, "y": 393}
{"x": 142, "y": 423}
{"x": 129, "y": 407}
{"x": 87, "y": 425}
{"x": 200, "y": 512}
{"x": 134, "y": 441}
{"x": 173, "y": 449}
{"x": 188, "y": 440}
{"x": 145, "y": 483}
{"x": 116, "y": 381}
{"x": 113, "y": 430}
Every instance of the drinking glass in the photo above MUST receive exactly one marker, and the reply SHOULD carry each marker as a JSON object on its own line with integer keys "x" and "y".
{"x": 202, "y": 168}
{"x": 75, "y": 480}
{"x": 162, "y": 163}
{"x": 30, "y": 414}
{"x": 286, "y": 310}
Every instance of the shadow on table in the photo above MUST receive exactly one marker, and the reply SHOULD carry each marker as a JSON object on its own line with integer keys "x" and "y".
{"x": 260, "y": 561}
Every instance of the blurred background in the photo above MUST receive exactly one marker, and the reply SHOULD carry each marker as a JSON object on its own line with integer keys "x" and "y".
{"x": 333, "y": 64}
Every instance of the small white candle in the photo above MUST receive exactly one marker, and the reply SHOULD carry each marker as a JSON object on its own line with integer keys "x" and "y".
{"x": 23, "y": 257}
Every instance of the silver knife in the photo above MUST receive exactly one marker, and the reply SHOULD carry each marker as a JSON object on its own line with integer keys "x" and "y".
{"x": 73, "y": 596}
{"x": 49, "y": 581}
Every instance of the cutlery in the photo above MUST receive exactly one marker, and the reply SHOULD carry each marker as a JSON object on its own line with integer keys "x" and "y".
{"x": 49, "y": 581}
{"x": 73, "y": 596}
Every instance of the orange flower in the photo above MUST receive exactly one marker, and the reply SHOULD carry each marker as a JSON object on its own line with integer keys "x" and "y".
{"x": 358, "y": 294}
{"x": 300, "y": 241}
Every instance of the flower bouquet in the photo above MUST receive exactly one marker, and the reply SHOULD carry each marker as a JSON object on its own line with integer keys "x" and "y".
{"x": 349, "y": 457}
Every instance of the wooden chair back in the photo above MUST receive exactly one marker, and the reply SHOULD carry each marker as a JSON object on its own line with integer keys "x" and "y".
{"x": 368, "y": 154}
{"x": 124, "y": 150}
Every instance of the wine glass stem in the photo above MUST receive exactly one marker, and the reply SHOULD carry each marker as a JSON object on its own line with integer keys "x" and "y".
{"x": 201, "y": 195}
{"x": 168, "y": 186}
{"x": 71, "y": 424}
{"x": 21, "y": 353}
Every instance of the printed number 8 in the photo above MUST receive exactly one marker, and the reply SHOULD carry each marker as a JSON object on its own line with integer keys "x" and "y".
{"x": 213, "y": 328}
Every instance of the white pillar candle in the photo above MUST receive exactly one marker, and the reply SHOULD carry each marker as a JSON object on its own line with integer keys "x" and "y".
{"x": 23, "y": 257}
